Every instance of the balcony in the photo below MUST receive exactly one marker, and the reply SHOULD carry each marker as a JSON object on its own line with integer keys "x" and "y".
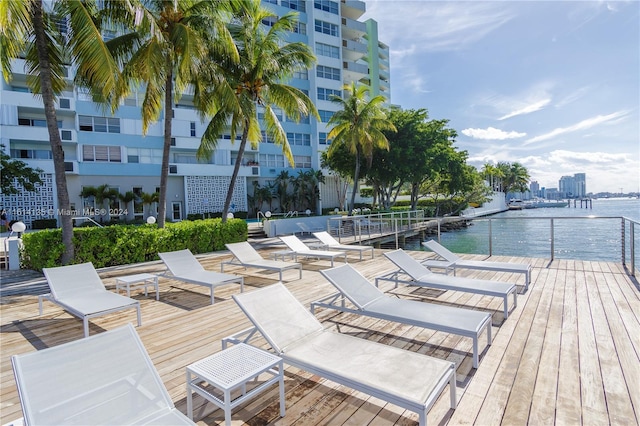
{"x": 37, "y": 134}
{"x": 352, "y": 29}
{"x": 352, "y": 71}
{"x": 353, "y": 50}
{"x": 352, "y": 9}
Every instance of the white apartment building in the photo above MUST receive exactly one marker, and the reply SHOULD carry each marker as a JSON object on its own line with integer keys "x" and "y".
{"x": 104, "y": 149}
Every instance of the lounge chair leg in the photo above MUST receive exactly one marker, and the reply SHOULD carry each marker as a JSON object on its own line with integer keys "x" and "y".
{"x": 475, "y": 352}
{"x": 212, "y": 298}
{"x": 139, "y": 315}
{"x": 85, "y": 322}
{"x": 423, "y": 418}
{"x": 452, "y": 390}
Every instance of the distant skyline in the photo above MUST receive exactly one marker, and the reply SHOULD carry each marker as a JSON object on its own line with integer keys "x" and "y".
{"x": 553, "y": 85}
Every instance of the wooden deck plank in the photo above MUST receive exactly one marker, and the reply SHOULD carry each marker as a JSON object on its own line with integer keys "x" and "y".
{"x": 567, "y": 411}
{"x": 591, "y": 386}
{"x": 575, "y": 330}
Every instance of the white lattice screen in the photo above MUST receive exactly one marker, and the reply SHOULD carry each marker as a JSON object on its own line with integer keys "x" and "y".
{"x": 207, "y": 194}
{"x": 28, "y": 206}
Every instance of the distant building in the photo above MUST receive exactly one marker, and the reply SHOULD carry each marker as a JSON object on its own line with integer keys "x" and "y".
{"x": 534, "y": 187}
{"x": 573, "y": 186}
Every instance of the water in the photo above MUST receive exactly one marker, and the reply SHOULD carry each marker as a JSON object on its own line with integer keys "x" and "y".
{"x": 575, "y": 235}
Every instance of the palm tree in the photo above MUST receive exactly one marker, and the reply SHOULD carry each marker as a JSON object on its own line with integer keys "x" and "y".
{"x": 282, "y": 190}
{"x": 148, "y": 199}
{"x": 27, "y": 30}
{"x": 163, "y": 51}
{"x": 358, "y": 126}
{"x": 235, "y": 89}
{"x": 127, "y": 198}
{"x": 493, "y": 175}
{"x": 516, "y": 177}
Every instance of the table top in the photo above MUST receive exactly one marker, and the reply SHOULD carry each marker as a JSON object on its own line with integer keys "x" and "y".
{"x": 136, "y": 277}
{"x": 234, "y": 365}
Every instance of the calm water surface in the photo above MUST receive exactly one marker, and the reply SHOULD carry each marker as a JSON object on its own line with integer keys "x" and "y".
{"x": 527, "y": 232}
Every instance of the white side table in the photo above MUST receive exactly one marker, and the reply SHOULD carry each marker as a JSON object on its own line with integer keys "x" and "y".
{"x": 230, "y": 369}
{"x": 130, "y": 282}
{"x": 284, "y": 254}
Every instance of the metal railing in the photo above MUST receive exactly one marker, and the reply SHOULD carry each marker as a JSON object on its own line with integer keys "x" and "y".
{"x": 556, "y": 233}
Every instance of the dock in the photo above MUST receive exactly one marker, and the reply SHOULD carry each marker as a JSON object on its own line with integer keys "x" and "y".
{"x": 569, "y": 353}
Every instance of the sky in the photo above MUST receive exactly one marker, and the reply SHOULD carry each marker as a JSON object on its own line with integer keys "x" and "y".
{"x": 553, "y": 85}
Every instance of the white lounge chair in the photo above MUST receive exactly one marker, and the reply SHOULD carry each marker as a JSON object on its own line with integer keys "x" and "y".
{"x": 370, "y": 301}
{"x": 105, "y": 379}
{"x": 332, "y": 243}
{"x": 410, "y": 380}
{"x": 306, "y": 229}
{"x": 79, "y": 290}
{"x": 184, "y": 266}
{"x": 452, "y": 261}
{"x": 245, "y": 255}
{"x": 420, "y": 275}
{"x": 301, "y": 249}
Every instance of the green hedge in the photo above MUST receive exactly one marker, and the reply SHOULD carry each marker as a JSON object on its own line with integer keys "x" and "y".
{"x": 123, "y": 244}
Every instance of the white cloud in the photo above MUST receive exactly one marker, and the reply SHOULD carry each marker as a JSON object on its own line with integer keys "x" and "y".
{"x": 583, "y": 125}
{"x": 491, "y": 133}
{"x": 442, "y": 26}
{"x": 572, "y": 97}
{"x": 533, "y": 107}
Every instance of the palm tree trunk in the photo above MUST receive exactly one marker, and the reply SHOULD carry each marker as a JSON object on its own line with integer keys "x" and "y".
{"x": 356, "y": 176}
{"x": 54, "y": 134}
{"x": 164, "y": 171}
{"x": 236, "y": 170}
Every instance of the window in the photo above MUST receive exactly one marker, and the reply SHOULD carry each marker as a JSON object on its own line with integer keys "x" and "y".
{"x": 185, "y": 158}
{"x": 328, "y": 72}
{"x": 326, "y": 28}
{"x": 35, "y": 154}
{"x": 271, "y": 1}
{"x": 302, "y": 161}
{"x": 192, "y": 128}
{"x": 271, "y": 160}
{"x": 322, "y": 139}
{"x": 326, "y": 5}
{"x": 35, "y": 122}
{"x": 325, "y": 94}
{"x": 294, "y": 4}
{"x": 302, "y": 139}
{"x": 101, "y": 153}
{"x": 266, "y": 138}
{"x": 89, "y": 123}
{"x": 269, "y": 21}
{"x": 227, "y": 136}
{"x": 302, "y": 75}
{"x": 144, "y": 155}
{"x": 325, "y": 116}
{"x": 300, "y": 28}
{"x": 323, "y": 49}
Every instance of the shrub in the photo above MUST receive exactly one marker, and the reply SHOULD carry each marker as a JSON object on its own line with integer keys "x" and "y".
{"x": 123, "y": 244}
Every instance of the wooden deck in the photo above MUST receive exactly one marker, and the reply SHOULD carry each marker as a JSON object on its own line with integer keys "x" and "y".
{"x": 568, "y": 354}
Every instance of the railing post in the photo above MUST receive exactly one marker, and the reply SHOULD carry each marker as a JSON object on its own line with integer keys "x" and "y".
{"x": 490, "y": 239}
{"x": 438, "y": 219}
{"x": 552, "y": 240}
{"x": 632, "y": 245}
{"x": 622, "y": 241}
{"x": 395, "y": 225}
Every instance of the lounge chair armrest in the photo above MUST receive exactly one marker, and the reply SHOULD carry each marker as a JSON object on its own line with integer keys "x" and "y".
{"x": 236, "y": 338}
